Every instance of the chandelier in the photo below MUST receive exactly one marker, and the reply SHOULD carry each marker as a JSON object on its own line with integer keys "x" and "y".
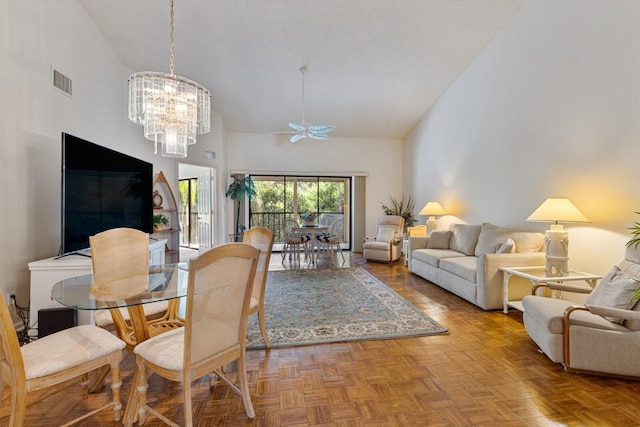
{"x": 172, "y": 109}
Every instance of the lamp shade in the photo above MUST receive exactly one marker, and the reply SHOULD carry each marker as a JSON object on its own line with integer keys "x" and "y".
{"x": 433, "y": 208}
{"x": 557, "y": 209}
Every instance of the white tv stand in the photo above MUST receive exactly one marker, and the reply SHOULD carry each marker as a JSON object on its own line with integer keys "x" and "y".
{"x": 45, "y": 273}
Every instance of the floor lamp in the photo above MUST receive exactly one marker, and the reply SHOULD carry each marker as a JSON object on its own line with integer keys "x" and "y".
{"x": 556, "y": 240}
{"x": 432, "y": 209}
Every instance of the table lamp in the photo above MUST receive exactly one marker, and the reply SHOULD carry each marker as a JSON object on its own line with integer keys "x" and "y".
{"x": 432, "y": 209}
{"x": 556, "y": 240}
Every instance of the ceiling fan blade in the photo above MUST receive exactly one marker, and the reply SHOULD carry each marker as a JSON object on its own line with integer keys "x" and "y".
{"x": 297, "y": 137}
{"x": 288, "y": 132}
{"x": 319, "y": 136}
{"x": 298, "y": 126}
{"x": 321, "y": 128}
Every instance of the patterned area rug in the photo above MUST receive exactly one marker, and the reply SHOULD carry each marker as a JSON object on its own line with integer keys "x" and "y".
{"x": 305, "y": 307}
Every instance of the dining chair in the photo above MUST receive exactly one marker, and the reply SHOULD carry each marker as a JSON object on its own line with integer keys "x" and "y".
{"x": 294, "y": 240}
{"x": 54, "y": 359}
{"x": 330, "y": 241}
{"x": 261, "y": 238}
{"x": 218, "y": 300}
{"x": 123, "y": 253}
{"x": 120, "y": 253}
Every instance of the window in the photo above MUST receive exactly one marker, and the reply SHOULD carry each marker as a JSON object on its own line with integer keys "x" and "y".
{"x": 280, "y": 197}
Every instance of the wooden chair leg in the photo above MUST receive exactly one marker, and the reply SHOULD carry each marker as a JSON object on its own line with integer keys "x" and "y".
{"x": 244, "y": 385}
{"x": 18, "y": 406}
{"x": 142, "y": 390}
{"x": 188, "y": 407}
{"x": 116, "y": 384}
{"x": 263, "y": 328}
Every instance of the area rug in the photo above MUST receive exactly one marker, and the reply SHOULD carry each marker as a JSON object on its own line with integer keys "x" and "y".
{"x": 304, "y": 307}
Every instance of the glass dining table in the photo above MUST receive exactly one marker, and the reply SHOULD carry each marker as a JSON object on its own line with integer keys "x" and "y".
{"x": 162, "y": 283}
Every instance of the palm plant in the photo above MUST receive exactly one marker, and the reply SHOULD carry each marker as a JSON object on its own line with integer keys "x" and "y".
{"x": 635, "y": 233}
{"x": 238, "y": 189}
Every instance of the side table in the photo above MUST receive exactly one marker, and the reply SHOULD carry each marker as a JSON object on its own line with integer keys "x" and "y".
{"x": 405, "y": 250}
{"x": 538, "y": 275}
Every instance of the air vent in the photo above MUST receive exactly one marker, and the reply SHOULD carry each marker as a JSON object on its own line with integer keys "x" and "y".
{"x": 209, "y": 154}
{"x": 62, "y": 82}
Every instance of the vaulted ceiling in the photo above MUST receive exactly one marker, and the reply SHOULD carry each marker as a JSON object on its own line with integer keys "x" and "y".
{"x": 375, "y": 67}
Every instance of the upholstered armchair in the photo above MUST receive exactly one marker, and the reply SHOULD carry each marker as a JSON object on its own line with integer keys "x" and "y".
{"x": 600, "y": 337}
{"x": 387, "y": 245}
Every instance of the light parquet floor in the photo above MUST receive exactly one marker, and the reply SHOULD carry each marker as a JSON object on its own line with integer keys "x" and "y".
{"x": 485, "y": 372}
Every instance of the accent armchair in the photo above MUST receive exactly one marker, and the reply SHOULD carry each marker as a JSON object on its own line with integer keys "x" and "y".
{"x": 387, "y": 245}
{"x": 600, "y": 337}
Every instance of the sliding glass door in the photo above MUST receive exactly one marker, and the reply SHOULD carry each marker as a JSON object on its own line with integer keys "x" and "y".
{"x": 280, "y": 197}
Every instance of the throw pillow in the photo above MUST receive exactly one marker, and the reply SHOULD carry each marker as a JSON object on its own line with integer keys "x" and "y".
{"x": 615, "y": 290}
{"x": 492, "y": 236}
{"x": 385, "y": 234}
{"x": 439, "y": 239}
{"x": 464, "y": 238}
{"x": 507, "y": 247}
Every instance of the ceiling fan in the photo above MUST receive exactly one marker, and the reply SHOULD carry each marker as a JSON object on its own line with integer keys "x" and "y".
{"x": 306, "y": 130}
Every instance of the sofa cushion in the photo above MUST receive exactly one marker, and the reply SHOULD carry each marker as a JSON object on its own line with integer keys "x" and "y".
{"x": 439, "y": 240}
{"x": 385, "y": 234}
{"x": 464, "y": 238}
{"x": 492, "y": 237}
{"x": 549, "y": 311}
{"x": 464, "y": 267}
{"x": 433, "y": 256}
{"x": 616, "y": 290}
{"x": 508, "y": 247}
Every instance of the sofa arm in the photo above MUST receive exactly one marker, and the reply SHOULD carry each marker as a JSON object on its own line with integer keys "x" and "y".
{"x": 415, "y": 242}
{"x": 490, "y": 279}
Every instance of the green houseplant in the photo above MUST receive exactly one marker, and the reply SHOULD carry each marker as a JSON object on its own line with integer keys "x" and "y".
{"x": 160, "y": 222}
{"x": 237, "y": 191}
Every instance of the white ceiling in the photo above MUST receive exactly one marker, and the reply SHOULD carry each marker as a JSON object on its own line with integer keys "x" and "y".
{"x": 375, "y": 66}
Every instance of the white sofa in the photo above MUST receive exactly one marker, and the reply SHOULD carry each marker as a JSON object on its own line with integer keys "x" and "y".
{"x": 466, "y": 260}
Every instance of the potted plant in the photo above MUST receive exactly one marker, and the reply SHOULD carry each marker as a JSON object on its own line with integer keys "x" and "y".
{"x": 308, "y": 218}
{"x": 401, "y": 208}
{"x": 161, "y": 222}
{"x": 237, "y": 191}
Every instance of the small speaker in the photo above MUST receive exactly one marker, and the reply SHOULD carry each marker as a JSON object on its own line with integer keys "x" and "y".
{"x": 51, "y": 320}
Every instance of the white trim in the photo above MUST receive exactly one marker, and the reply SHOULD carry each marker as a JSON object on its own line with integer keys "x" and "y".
{"x": 296, "y": 173}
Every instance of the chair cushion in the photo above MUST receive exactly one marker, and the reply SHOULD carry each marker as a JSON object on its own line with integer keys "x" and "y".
{"x": 549, "y": 312}
{"x": 165, "y": 350}
{"x": 433, "y": 256}
{"x": 439, "y": 239}
{"x": 103, "y": 318}
{"x": 376, "y": 246}
{"x": 67, "y": 349}
{"x": 385, "y": 234}
{"x": 464, "y": 238}
{"x": 616, "y": 289}
{"x": 464, "y": 267}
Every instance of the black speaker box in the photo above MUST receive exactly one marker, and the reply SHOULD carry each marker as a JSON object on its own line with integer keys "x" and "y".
{"x": 51, "y": 320}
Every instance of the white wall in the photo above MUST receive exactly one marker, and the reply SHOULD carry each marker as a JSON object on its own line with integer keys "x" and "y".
{"x": 34, "y": 36}
{"x": 551, "y": 107}
{"x": 381, "y": 159}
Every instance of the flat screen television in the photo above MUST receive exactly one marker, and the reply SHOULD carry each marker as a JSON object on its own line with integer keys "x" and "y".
{"x": 102, "y": 189}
